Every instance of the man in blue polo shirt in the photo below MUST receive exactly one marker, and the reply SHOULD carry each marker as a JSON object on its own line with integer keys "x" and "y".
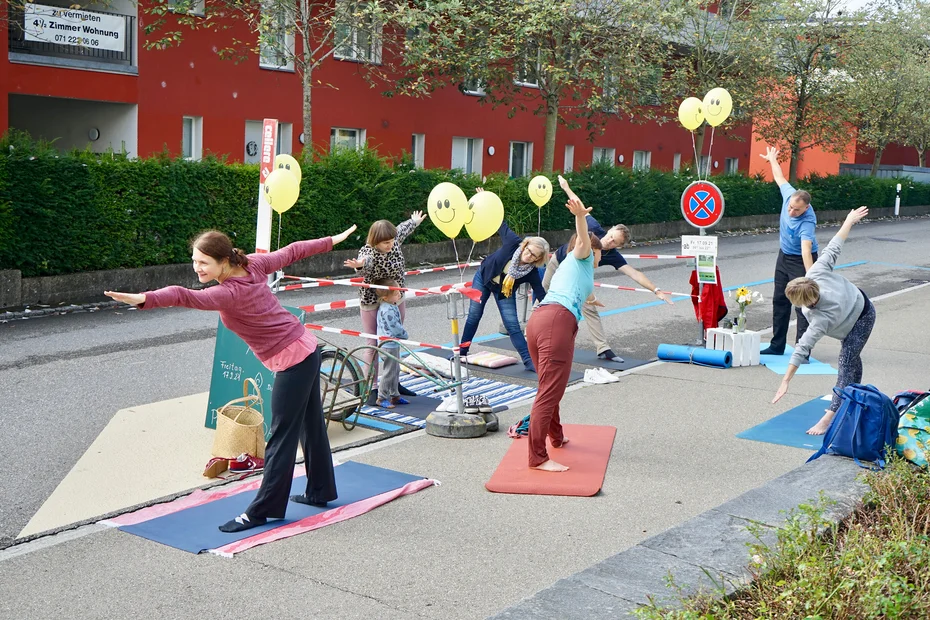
{"x": 797, "y": 254}
{"x": 617, "y": 237}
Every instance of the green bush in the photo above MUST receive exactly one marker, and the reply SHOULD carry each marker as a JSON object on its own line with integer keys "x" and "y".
{"x": 80, "y": 211}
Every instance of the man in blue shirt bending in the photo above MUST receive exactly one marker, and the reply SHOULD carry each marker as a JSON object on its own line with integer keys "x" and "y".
{"x": 797, "y": 253}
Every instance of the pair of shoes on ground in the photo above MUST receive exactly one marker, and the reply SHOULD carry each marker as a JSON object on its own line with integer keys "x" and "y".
{"x": 244, "y": 463}
{"x": 477, "y": 404}
{"x": 599, "y": 375}
{"x": 610, "y": 356}
{"x": 473, "y": 405}
{"x": 384, "y": 403}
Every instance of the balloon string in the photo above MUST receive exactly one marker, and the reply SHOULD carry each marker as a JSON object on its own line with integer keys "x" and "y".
{"x": 709, "y": 150}
{"x": 462, "y": 270}
{"x": 697, "y": 158}
{"x": 539, "y": 222}
{"x": 279, "y": 232}
{"x": 457, "y": 262}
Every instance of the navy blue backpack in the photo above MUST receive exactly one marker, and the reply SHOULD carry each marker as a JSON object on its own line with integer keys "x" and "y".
{"x": 866, "y": 422}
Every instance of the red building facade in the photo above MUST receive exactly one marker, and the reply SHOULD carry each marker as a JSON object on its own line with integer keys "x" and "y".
{"x": 187, "y": 100}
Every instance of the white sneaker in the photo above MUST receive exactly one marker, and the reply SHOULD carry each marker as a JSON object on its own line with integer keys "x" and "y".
{"x": 608, "y": 376}
{"x": 592, "y": 376}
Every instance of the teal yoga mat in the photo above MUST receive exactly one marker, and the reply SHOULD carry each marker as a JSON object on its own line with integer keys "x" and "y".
{"x": 790, "y": 428}
{"x": 695, "y": 355}
{"x": 779, "y": 364}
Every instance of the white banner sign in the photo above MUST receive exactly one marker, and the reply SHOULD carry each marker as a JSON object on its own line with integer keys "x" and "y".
{"x": 63, "y": 26}
{"x": 692, "y": 245}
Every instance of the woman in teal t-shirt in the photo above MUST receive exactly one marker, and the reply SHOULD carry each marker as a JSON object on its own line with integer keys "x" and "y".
{"x": 551, "y": 331}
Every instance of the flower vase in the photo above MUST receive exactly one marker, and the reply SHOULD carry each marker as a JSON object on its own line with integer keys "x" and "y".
{"x": 740, "y": 325}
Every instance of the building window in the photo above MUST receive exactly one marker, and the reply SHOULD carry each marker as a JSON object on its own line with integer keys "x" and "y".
{"x": 418, "y": 149}
{"x": 521, "y": 159}
{"x": 285, "y": 138}
{"x": 191, "y": 7}
{"x": 192, "y": 137}
{"x": 676, "y": 163}
{"x": 610, "y": 94}
{"x": 466, "y": 154}
{"x": 343, "y": 138}
{"x": 356, "y": 38}
{"x": 277, "y": 37}
{"x": 569, "y": 164}
{"x": 650, "y": 85}
{"x": 527, "y": 69}
{"x": 473, "y": 86}
{"x": 642, "y": 160}
{"x": 603, "y": 155}
{"x": 732, "y": 165}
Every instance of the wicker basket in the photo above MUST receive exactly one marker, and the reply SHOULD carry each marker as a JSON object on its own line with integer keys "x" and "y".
{"x": 240, "y": 426}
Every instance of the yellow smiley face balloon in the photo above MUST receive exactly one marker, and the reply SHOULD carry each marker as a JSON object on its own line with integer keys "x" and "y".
{"x": 281, "y": 190}
{"x": 448, "y": 208}
{"x": 540, "y": 190}
{"x": 717, "y": 106}
{"x": 690, "y": 114}
{"x": 485, "y": 214}
{"x": 288, "y": 163}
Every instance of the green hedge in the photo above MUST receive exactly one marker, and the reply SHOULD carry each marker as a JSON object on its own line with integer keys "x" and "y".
{"x": 66, "y": 213}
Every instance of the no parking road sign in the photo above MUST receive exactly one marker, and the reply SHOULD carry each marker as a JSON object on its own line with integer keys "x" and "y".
{"x": 702, "y": 204}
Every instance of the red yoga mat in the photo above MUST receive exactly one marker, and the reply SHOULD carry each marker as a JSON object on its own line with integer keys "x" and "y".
{"x": 586, "y": 454}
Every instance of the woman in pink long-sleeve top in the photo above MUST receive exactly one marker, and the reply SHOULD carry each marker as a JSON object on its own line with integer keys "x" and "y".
{"x": 249, "y": 309}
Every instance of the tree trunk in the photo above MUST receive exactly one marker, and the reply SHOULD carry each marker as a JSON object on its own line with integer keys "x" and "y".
{"x": 877, "y": 160}
{"x": 793, "y": 166}
{"x": 921, "y": 157}
{"x": 308, "y": 115}
{"x": 552, "y": 123}
{"x": 698, "y": 147}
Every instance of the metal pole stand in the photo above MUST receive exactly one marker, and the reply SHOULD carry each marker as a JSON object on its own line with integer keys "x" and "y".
{"x": 700, "y": 339}
{"x": 458, "y": 425}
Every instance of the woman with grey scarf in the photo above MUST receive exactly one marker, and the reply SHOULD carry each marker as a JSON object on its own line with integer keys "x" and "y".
{"x": 500, "y": 274}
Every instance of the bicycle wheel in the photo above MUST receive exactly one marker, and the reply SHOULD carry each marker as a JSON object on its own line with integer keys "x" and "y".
{"x": 335, "y": 361}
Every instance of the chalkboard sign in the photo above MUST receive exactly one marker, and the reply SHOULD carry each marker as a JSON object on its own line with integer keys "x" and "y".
{"x": 233, "y": 363}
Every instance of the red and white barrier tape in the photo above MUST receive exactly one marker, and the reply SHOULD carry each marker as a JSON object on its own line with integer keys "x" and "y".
{"x": 350, "y": 332}
{"x": 354, "y": 303}
{"x": 654, "y": 256}
{"x": 640, "y": 290}
{"x": 315, "y": 282}
{"x": 434, "y": 290}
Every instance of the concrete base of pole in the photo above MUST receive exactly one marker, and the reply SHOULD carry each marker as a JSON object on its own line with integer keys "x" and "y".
{"x": 455, "y": 425}
{"x": 491, "y": 420}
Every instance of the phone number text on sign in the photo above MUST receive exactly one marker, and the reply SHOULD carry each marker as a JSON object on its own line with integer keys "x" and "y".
{"x": 49, "y": 24}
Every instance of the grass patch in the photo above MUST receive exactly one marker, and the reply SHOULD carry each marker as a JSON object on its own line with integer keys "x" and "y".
{"x": 875, "y": 564}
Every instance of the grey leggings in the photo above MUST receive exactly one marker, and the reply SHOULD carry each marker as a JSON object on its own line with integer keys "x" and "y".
{"x": 850, "y": 364}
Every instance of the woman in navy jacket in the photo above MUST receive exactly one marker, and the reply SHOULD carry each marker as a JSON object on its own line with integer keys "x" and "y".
{"x": 501, "y": 274}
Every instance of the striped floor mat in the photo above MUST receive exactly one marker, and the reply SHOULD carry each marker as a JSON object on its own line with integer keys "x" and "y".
{"x": 501, "y": 396}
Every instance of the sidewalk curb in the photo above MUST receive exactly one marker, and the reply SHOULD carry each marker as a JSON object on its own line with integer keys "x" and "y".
{"x": 702, "y": 554}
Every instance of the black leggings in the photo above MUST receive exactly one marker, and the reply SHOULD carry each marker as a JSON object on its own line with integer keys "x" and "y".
{"x": 296, "y": 416}
{"x": 850, "y": 362}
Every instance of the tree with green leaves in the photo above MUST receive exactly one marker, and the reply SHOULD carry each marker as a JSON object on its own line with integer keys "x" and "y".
{"x": 804, "y": 104}
{"x": 575, "y": 63}
{"x": 887, "y": 52}
{"x": 728, "y": 48}
{"x": 288, "y": 34}
{"x": 915, "y": 126}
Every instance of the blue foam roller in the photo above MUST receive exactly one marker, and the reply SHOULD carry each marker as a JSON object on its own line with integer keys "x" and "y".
{"x": 695, "y": 355}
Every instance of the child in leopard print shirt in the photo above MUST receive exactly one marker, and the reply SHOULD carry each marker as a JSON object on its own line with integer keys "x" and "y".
{"x": 379, "y": 259}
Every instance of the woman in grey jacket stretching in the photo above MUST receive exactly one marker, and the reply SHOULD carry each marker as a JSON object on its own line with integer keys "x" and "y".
{"x": 834, "y": 307}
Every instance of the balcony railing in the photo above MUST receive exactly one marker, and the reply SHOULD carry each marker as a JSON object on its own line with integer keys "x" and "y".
{"x": 57, "y": 44}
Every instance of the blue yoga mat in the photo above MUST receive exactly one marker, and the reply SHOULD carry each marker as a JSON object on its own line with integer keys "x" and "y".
{"x": 789, "y": 428}
{"x": 196, "y": 529}
{"x": 695, "y": 355}
{"x": 779, "y": 363}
